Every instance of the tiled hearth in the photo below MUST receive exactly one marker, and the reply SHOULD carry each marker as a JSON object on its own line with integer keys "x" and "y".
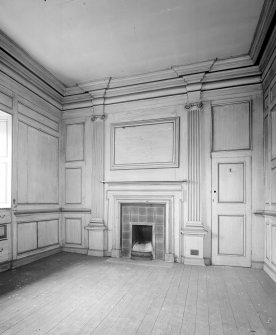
{"x": 144, "y": 215}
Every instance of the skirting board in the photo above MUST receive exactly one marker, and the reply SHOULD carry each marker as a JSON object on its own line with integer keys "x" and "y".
{"x": 5, "y": 266}
{"x": 29, "y": 259}
{"x": 75, "y": 250}
{"x": 257, "y": 265}
{"x": 270, "y": 272}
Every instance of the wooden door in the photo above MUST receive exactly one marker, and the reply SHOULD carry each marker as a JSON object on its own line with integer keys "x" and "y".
{"x": 231, "y": 211}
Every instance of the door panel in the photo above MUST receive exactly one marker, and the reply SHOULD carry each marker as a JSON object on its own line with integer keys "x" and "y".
{"x": 230, "y": 182}
{"x": 231, "y": 211}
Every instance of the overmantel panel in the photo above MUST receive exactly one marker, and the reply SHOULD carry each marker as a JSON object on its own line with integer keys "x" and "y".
{"x": 131, "y": 135}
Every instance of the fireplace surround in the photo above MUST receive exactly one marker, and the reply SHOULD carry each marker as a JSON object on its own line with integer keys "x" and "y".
{"x": 167, "y": 195}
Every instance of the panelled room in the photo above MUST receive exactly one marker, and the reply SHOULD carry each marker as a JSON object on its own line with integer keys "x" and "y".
{"x": 138, "y": 167}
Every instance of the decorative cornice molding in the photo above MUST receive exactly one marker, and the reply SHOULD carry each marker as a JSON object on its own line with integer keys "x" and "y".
{"x": 178, "y": 80}
{"x": 22, "y": 68}
{"x": 264, "y": 25}
{"x": 14, "y": 50}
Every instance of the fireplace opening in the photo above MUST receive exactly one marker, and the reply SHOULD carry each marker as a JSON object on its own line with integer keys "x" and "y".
{"x": 143, "y": 230}
{"x": 142, "y": 247}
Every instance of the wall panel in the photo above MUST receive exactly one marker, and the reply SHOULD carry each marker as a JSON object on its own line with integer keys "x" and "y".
{"x": 231, "y": 126}
{"x": 73, "y": 186}
{"x": 273, "y": 244}
{"x": 26, "y": 237}
{"x": 48, "y": 233}
{"x": 74, "y": 142}
{"x": 38, "y": 166}
{"x": 73, "y": 230}
{"x": 145, "y": 144}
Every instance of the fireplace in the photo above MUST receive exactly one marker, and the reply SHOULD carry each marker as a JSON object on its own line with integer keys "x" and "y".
{"x": 157, "y": 203}
{"x": 143, "y": 231}
{"x": 142, "y": 241}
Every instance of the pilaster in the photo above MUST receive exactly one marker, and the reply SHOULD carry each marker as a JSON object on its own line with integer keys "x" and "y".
{"x": 194, "y": 232}
{"x": 96, "y": 228}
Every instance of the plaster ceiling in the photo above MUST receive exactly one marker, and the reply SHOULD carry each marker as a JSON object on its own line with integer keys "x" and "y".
{"x": 86, "y": 40}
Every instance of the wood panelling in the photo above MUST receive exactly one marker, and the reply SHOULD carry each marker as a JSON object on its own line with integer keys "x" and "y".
{"x": 26, "y": 236}
{"x": 267, "y": 241}
{"x": 231, "y": 182}
{"x": 6, "y": 97}
{"x": 37, "y": 115}
{"x": 231, "y": 235}
{"x": 73, "y": 185}
{"x": 43, "y": 158}
{"x": 145, "y": 144}
{"x": 74, "y": 142}
{"x": 273, "y": 92}
{"x": 73, "y": 230}
{"x": 48, "y": 233}
{"x": 273, "y": 186}
{"x": 5, "y": 159}
{"x": 273, "y": 244}
{"x": 38, "y": 166}
{"x": 231, "y": 126}
{"x": 273, "y": 135}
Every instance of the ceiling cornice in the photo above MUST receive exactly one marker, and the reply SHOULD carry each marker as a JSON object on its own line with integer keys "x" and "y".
{"x": 14, "y": 58}
{"x": 208, "y": 75}
{"x": 264, "y": 28}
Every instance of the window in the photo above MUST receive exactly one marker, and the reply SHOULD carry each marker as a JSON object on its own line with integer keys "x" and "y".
{"x": 5, "y": 159}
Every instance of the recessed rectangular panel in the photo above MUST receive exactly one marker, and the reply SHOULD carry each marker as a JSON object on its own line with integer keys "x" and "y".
{"x": 273, "y": 92}
{"x": 231, "y": 126}
{"x": 43, "y": 167}
{"x": 4, "y": 138}
{"x": 22, "y": 163}
{"x": 266, "y": 161}
{"x": 3, "y": 182}
{"x": 73, "y": 231}
{"x": 267, "y": 241}
{"x": 231, "y": 182}
{"x": 73, "y": 186}
{"x": 74, "y": 142}
{"x": 145, "y": 144}
{"x": 231, "y": 235}
{"x": 273, "y": 186}
{"x": 273, "y": 135}
{"x": 273, "y": 244}
{"x": 26, "y": 237}
{"x": 47, "y": 233}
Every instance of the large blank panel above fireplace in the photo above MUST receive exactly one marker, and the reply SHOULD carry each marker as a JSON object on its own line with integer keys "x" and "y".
{"x": 145, "y": 144}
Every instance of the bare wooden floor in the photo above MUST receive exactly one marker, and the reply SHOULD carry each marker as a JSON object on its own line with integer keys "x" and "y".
{"x": 76, "y": 294}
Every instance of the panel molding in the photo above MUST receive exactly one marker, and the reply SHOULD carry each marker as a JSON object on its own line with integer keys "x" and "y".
{"x": 76, "y": 220}
{"x": 146, "y": 165}
{"x": 233, "y": 104}
{"x": 79, "y": 201}
{"x": 81, "y": 148}
{"x": 243, "y": 237}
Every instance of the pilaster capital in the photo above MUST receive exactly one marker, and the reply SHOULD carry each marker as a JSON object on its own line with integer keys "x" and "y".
{"x": 194, "y": 106}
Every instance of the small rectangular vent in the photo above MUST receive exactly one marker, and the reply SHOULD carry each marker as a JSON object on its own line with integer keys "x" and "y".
{"x": 194, "y": 252}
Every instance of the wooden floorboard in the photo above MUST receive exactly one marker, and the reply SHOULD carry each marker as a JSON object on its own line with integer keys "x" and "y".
{"x": 76, "y": 294}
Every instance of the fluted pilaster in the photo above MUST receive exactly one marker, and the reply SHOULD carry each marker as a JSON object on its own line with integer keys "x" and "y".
{"x": 97, "y": 168}
{"x": 194, "y": 110}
